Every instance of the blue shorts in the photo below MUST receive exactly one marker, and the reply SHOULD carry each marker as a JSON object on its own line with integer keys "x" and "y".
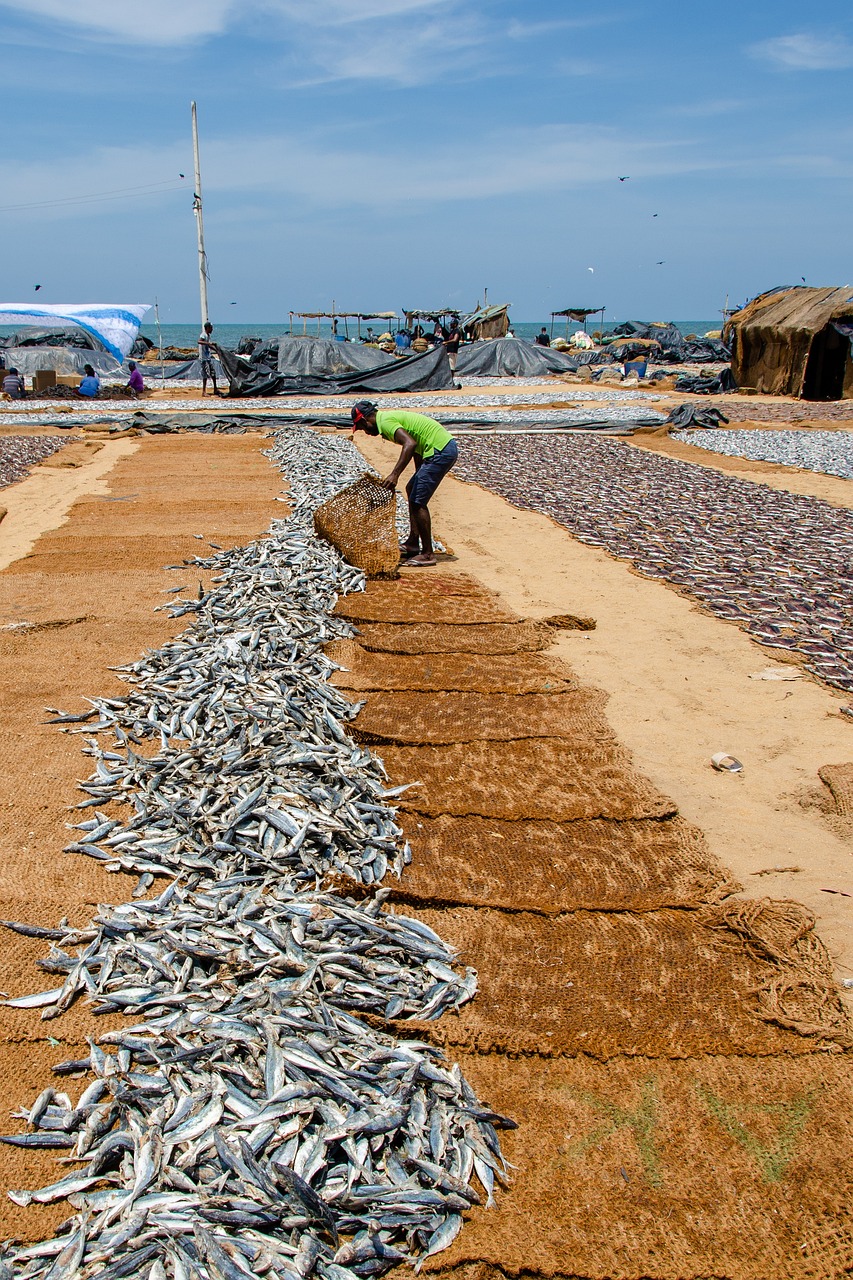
{"x": 430, "y": 474}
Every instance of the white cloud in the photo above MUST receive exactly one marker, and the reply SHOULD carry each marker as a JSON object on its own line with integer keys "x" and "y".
{"x": 804, "y": 52}
{"x": 157, "y": 22}
{"x": 162, "y": 22}
{"x": 334, "y": 171}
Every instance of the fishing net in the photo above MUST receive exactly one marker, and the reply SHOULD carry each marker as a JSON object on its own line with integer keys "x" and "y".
{"x": 839, "y": 779}
{"x": 360, "y": 523}
{"x": 722, "y": 1166}
{"x": 440, "y": 717}
{"x": 442, "y": 598}
{"x": 551, "y": 867}
{"x": 663, "y": 984}
{"x": 546, "y": 778}
{"x": 432, "y": 638}
{"x": 460, "y": 672}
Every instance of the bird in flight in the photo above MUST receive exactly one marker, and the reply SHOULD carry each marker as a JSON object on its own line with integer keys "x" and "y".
{"x": 625, "y": 179}
{"x": 591, "y": 269}
{"x": 660, "y": 264}
{"x": 233, "y": 304}
{"x": 803, "y": 278}
{"x": 37, "y": 287}
{"x": 180, "y": 175}
{"x": 654, "y": 215}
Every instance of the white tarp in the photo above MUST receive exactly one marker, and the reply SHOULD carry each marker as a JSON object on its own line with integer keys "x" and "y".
{"x": 114, "y": 324}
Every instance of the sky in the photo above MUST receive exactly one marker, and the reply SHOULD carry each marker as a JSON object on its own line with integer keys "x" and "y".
{"x": 414, "y": 153}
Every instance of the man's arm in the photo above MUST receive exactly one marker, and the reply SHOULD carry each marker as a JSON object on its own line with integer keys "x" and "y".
{"x": 408, "y": 444}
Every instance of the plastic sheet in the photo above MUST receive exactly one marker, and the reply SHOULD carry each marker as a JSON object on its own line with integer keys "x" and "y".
{"x": 429, "y": 371}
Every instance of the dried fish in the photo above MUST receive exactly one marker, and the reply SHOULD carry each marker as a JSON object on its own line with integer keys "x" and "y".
{"x": 261, "y": 1111}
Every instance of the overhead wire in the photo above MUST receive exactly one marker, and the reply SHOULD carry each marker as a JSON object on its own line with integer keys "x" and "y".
{"x": 116, "y": 193}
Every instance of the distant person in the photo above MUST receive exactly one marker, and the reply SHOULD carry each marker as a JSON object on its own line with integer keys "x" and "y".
{"x": 433, "y": 450}
{"x": 542, "y": 339}
{"x": 402, "y": 341}
{"x": 13, "y": 385}
{"x": 135, "y": 380}
{"x": 451, "y": 343}
{"x": 91, "y": 384}
{"x": 205, "y": 356}
{"x": 369, "y": 337}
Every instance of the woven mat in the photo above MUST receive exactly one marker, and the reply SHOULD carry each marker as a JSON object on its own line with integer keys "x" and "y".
{"x": 459, "y": 672}
{"x": 432, "y": 638}
{"x": 445, "y": 598}
{"x": 551, "y": 867}
{"x": 662, "y": 984}
{"x": 723, "y": 1167}
{"x": 548, "y": 778}
{"x": 469, "y": 717}
{"x": 839, "y": 779}
{"x": 25, "y": 1069}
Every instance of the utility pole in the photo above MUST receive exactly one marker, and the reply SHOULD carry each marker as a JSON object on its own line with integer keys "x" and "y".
{"x": 199, "y": 221}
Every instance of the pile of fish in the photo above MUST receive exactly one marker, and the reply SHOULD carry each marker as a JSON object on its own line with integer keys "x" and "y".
{"x": 19, "y": 453}
{"x": 828, "y": 452}
{"x": 778, "y": 564}
{"x": 259, "y": 1114}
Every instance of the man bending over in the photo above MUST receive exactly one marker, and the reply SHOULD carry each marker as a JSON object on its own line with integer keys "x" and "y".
{"x": 433, "y": 450}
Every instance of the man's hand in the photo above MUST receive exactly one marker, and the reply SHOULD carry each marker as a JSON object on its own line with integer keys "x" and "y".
{"x": 390, "y": 482}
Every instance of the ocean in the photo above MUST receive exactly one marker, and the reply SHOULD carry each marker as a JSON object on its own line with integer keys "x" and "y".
{"x": 228, "y": 335}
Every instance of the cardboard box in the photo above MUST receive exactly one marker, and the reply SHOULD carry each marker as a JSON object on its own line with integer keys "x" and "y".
{"x": 44, "y": 378}
{"x": 69, "y": 379}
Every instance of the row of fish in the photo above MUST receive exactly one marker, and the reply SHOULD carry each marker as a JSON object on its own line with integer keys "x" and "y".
{"x": 259, "y": 1112}
{"x": 777, "y": 563}
{"x": 828, "y": 452}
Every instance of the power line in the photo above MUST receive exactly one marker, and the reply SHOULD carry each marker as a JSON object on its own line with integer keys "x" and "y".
{"x": 117, "y": 193}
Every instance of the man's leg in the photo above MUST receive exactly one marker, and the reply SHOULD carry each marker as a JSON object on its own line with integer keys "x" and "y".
{"x": 412, "y": 544}
{"x": 422, "y": 522}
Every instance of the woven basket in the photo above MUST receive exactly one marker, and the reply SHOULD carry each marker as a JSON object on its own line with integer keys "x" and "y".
{"x": 360, "y": 522}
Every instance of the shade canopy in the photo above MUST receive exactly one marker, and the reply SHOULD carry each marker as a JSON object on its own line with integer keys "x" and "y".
{"x": 578, "y": 313}
{"x": 115, "y": 325}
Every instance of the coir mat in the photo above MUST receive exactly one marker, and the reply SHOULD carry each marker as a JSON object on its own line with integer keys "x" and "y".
{"x": 441, "y": 637}
{"x": 552, "y": 867}
{"x": 712, "y": 1167}
{"x": 747, "y": 978}
{"x": 440, "y": 717}
{"x": 553, "y": 779}
{"x": 364, "y": 671}
{"x": 449, "y": 598}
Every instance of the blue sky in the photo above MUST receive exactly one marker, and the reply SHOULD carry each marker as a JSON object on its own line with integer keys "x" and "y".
{"x": 390, "y": 153}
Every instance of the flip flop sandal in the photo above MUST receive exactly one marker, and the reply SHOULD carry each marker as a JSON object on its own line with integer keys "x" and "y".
{"x": 724, "y": 763}
{"x": 419, "y": 562}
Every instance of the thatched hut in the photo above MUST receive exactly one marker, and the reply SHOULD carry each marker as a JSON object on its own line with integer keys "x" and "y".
{"x": 794, "y": 342}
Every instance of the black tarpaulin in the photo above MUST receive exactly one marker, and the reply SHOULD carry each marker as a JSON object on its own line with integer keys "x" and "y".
{"x": 320, "y": 357}
{"x": 510, "y": 358}
{"x": 429, "y": 371}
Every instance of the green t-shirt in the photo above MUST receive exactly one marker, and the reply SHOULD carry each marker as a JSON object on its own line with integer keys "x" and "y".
{"x": 429, "y": 435}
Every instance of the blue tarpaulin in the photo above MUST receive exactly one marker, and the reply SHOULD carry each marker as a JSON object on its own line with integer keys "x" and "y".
{"x": 113, "y": 324}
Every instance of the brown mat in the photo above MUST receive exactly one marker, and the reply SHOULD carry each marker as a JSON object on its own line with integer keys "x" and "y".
{"x": 839, "y": 779}
{"x": 439, "y": 717}
{"x": 661, "y": 984}
{"x": 722, "y": 1167}
{"x": 550, "y": 867}
{"x": 359, "y": 522}
{"x": 444, "y": 598}
{"x": 548, "y": 778}
{"x": 433, "y": 638}
{"x": 23, "y": 1075}
{"x": 460, "y": 672}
